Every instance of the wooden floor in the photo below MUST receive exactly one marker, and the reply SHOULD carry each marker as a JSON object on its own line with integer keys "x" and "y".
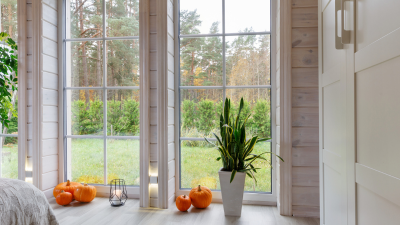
{"x": 100, "y": 212}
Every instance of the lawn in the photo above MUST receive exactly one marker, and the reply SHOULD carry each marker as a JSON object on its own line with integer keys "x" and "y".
{"x": 9, "y": 161}
{"x": 198, "y": 164}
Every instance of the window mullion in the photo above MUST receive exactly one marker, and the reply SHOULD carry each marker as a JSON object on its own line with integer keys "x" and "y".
{"x": 223, "y": 52}
{"x": 104, "y": 93}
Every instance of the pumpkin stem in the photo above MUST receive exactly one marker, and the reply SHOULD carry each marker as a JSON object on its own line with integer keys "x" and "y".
{"x": 199, "y": 188}
{"x": 85, "y": 184}
{"x": 68, "y": 183}
{"x": 62, "y": 191}
{"x": 184, "y": 196}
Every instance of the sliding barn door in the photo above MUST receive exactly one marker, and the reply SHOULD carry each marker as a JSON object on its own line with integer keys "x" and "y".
{"x": 333, "y": 90}
{"x": 377, "y": 85}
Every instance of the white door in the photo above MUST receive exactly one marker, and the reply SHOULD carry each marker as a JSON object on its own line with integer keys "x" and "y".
{"x": 377, "y": 98}
{"x": 335, "y": 59}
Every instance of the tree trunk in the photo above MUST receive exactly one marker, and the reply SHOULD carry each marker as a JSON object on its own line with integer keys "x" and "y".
{"x": 99, "y": 77}
{"x": 10, "y": 20}
{"x": 84, "y": 62}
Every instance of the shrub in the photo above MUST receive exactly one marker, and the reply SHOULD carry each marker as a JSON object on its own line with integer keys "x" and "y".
{"x": 205, "y": 112}
{"x": 261, "y": 119}
{"x": 188, "y": 114}
{"x": 87, "y": 119}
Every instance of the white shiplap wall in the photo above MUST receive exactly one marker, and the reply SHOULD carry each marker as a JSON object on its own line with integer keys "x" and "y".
{"x": 162, "y": 102}
{"x": 171, "y": 102}
{"x": 49, "y": 96}
{"x": 42, "y": 93}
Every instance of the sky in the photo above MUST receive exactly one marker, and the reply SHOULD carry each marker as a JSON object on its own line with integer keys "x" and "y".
{"x": 239, "y": 14}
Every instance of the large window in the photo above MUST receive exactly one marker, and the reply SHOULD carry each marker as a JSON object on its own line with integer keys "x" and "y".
{"x": 224, "y": 52}
{"x": 101, "y": 90}
{"x": 9, "y": 135}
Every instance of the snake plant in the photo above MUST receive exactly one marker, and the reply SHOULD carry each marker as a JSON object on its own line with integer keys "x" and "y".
{"x": 235, "y": 149}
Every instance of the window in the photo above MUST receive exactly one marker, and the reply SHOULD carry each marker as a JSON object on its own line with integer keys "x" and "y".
{"x": 9, "y": 136}
{"x": 224, "y": 52}
{"x": 101, "y": 91}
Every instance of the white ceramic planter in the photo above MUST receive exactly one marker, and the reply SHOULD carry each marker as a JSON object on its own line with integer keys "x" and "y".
{"x": 232, "y": 193}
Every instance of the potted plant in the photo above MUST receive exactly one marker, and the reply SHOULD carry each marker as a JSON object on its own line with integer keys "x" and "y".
{"x": 237, "y": 158}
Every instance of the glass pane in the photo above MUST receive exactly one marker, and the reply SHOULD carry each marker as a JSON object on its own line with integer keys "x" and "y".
{"x": 84, "y": 19}
{"x": 123, "y": 63}
{"x": 199, "y": 109}
{"x": 249, "y": 16}
{"x": 257, "y": 104}
{"x": 123, "y": 160}
{"x": 9, "y": 157}
{"x": 84, "y": 64}
{"x": 87, "y": 160}
{"x": 204, "y": 18}
{"x": 201, "y": 61}
{"x": 9, "y": 18}
{"x": 13, "y": 117}
{"x": 248, "y": 60}
{"x": 122, "y": 18}
{"x": 199, "y": 166}
{"x": 85, "y": 112}
{"x": 123, "y": 112}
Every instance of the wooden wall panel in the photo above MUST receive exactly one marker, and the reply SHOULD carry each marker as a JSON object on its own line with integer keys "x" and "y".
{"x": 305, "y": 176}
{"x": 304, "y": 3}
{"x": 305, "y": 57}
{"x": 306, "y": 196}
{"x": 306, "y": 211}
{"x": 305, "y": 156}
{"x": 305, "y": 37}
{"x": 305, "y": 118}
{"x": 305, "y": 77}
{"x": 305, "y": 97}
{"x": 305, "y": 136}
{"x": 305, "y": 17}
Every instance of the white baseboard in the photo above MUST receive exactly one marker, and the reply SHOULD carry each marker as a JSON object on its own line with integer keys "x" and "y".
{"x": 48, "y": 193}
{"x": 171, "y": 200}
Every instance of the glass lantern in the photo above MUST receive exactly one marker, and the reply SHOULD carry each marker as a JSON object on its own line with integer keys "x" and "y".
{"x": 118, "y": 193}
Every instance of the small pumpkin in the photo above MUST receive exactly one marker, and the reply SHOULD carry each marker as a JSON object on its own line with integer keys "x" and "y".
{"x": 85, "y": 193}
{"x": 183, "y": 203}
{"x": 201, "y": 197}
{"x": 67, "y": 187}
{"x": 64, "y": 198}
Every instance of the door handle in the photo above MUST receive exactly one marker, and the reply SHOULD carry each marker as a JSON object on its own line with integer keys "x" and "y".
{"x": 345, "y": 33}
{"x": 345, "y": 39}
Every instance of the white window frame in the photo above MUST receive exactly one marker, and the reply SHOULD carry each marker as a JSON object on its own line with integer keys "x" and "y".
{"x": 257, "y": 198}
{"x": 24, "y": 164}
{"x": 102, "y": 189}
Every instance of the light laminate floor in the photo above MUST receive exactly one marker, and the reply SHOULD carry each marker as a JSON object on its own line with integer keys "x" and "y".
{"x": 100, "y": 212}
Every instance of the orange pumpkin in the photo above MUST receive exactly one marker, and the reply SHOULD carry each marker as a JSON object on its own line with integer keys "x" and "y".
{"x": 201, "y": 197}
{"x": 64, "y": 198}
{"x": 85, "y": 193}
{"x": 183, "y": 203}
{"x": 67, "y": 187}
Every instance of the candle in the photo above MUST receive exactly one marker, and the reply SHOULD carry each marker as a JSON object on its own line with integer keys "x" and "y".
{"x": 117, "y": 197}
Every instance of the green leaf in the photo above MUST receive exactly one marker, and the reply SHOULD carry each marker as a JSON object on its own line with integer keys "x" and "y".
{"x": 233, "y": 175}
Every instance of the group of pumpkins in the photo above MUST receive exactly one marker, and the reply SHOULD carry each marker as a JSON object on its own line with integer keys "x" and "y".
{"x": 66, "y": 192}
{"x": 200, "y": 197}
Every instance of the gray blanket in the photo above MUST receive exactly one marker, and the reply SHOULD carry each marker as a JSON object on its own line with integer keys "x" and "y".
{"x": 23, "y": 203}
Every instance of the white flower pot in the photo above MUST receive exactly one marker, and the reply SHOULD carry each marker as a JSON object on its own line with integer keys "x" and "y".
{"x": 232, "y": 193}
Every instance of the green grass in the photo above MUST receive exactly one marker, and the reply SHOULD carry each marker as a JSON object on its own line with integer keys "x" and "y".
{"x": 9, "y": 164}
{"x": 87, "y": 160}
{"x": 198, "y": 164}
